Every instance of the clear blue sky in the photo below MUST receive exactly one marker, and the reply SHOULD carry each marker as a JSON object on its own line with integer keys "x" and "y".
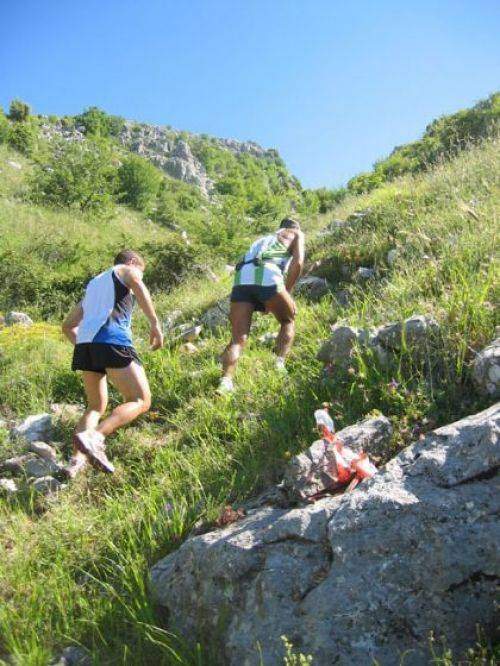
{"x": 332, "y": 84}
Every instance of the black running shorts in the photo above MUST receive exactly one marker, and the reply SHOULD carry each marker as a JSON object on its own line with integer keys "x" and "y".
{"x": 253, "y": 293}
{"x": 97, "y": 356}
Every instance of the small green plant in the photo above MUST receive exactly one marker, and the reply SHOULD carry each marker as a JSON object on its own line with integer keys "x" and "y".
{"x": 4, "y": 127}
{"x": 19, "y": 111}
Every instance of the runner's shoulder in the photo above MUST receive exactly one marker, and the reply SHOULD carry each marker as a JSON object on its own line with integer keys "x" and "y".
{"x": 129, "y": 274}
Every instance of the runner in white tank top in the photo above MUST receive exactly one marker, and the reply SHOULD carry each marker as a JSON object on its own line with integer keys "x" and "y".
{"x": 264, "y": 279}
{"x": 99, "y": 327}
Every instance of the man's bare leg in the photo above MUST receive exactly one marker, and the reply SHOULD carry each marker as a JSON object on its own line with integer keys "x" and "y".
{"x": 282, "y": 306}
{"x": 241, "y": 319}
{"x": 96, "y": 392}
{"x": 133, "y": 384}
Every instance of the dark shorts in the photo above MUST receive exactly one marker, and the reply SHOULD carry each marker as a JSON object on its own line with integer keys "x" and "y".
{"x": 254, "y": 294}
{"x": 97, "y": 356}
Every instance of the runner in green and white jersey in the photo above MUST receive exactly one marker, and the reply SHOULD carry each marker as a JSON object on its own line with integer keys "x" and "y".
{"x": 263, "y": 281}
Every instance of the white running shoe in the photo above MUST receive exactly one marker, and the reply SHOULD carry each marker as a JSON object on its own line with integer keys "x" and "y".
{"x": 226, "y": 386}
{"x": 280, "y": 364}
{"x": 91, "y": 442}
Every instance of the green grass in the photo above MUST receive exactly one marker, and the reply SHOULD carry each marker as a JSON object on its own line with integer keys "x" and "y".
{"x": 75, "y": 570}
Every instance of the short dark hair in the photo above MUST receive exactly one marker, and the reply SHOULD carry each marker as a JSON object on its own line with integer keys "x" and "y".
{"x": 288, "y": 223}
{"x": 125, "y": 256}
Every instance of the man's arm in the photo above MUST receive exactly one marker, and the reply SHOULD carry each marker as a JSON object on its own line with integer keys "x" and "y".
{"x": 71, "y": 323}
{"x": 297, "y": 263}
{"x": 133, "y": 279}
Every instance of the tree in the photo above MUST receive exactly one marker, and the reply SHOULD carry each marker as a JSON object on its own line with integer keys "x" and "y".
{"x": 138, "y": 182}
{"x": 79, "y": 175}
{"x": 19, "y": 111}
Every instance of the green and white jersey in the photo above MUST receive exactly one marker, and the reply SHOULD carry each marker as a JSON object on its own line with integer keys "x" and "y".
{"x": 273, "y": 259}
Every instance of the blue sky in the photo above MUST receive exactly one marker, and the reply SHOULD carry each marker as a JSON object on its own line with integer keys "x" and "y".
{"x": 333, "y": 85}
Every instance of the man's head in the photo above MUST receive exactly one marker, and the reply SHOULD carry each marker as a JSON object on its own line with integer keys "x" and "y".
{"x": 130, "y": 258}
{"x": 288, "y": 223}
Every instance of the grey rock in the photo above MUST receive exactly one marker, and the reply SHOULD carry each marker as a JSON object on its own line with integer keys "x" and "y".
{"x": 45, "y": 451}
{"x": 364, "y": 273}
{"x": 355, "y": 578}
{"x": 312, "y": 287}
{"x": 35, "y": 428}
{"x": 17, "y": 464}
{"x": 47, "y": 485}
{"x": 74, "y": 656}
{"x": 338, "y": 349}
{"x": 309, "y": 472}
{"x": 416, "y": 332}
{"x": 342, "y": 297}
{"x": 14, "y": 165}
{"x": 38, "y": 468}
{"x": 8, "y": 486}
{"x": 22, "y": 318}
{"x": 392, "y": 255}
{"x": 217, "y": 316}
{"x": 486, "y": 370}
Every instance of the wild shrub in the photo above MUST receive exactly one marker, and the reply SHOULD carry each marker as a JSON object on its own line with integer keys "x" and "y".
{"x": 138, "y": 182}
{"x": 23, "y": 136}
{"x": 19, "y": 111}
{"x": 168, "y": 263}
{"x": 76, "y": 175}
{"x": 98, "y": 123}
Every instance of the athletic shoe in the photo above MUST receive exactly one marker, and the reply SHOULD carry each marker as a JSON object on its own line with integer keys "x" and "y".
{"x": 280, "y": 364}
{"x": 226, "y": 386}
{"x": 76, "y": 465}
{"x": 91, "y": 442}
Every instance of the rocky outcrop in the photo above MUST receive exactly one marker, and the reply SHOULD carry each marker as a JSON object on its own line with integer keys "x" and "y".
{"x": 359, "y": 577}
{"x": 415, "y": 334}
{"x": 486, "y": 370}
{"x": 166, "y": 147}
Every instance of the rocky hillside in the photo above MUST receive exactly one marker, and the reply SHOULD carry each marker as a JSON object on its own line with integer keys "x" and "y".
{"x": 396, "y": 329}
{"x": 170, "y": 150}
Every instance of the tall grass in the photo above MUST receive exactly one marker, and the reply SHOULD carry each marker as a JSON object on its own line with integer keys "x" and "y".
{"x": 75, "y": 570}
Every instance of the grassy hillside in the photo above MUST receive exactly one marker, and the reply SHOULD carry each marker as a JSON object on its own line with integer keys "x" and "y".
{"x": 74, "y": 570}
{"x": 442, "y": 139}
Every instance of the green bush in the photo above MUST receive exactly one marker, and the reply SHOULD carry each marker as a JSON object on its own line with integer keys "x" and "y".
{"x": 23, "y": 136}
{"x": 138, "y": 182}
{"x": 76, "y": 175}
{"x": 168, "y": 263}
{"x": 98, "y": 123}
{"x": 19, "y": 111}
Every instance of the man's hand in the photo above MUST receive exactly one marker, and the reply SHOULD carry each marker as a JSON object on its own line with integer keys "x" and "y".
{"x": 155, "y": 337}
